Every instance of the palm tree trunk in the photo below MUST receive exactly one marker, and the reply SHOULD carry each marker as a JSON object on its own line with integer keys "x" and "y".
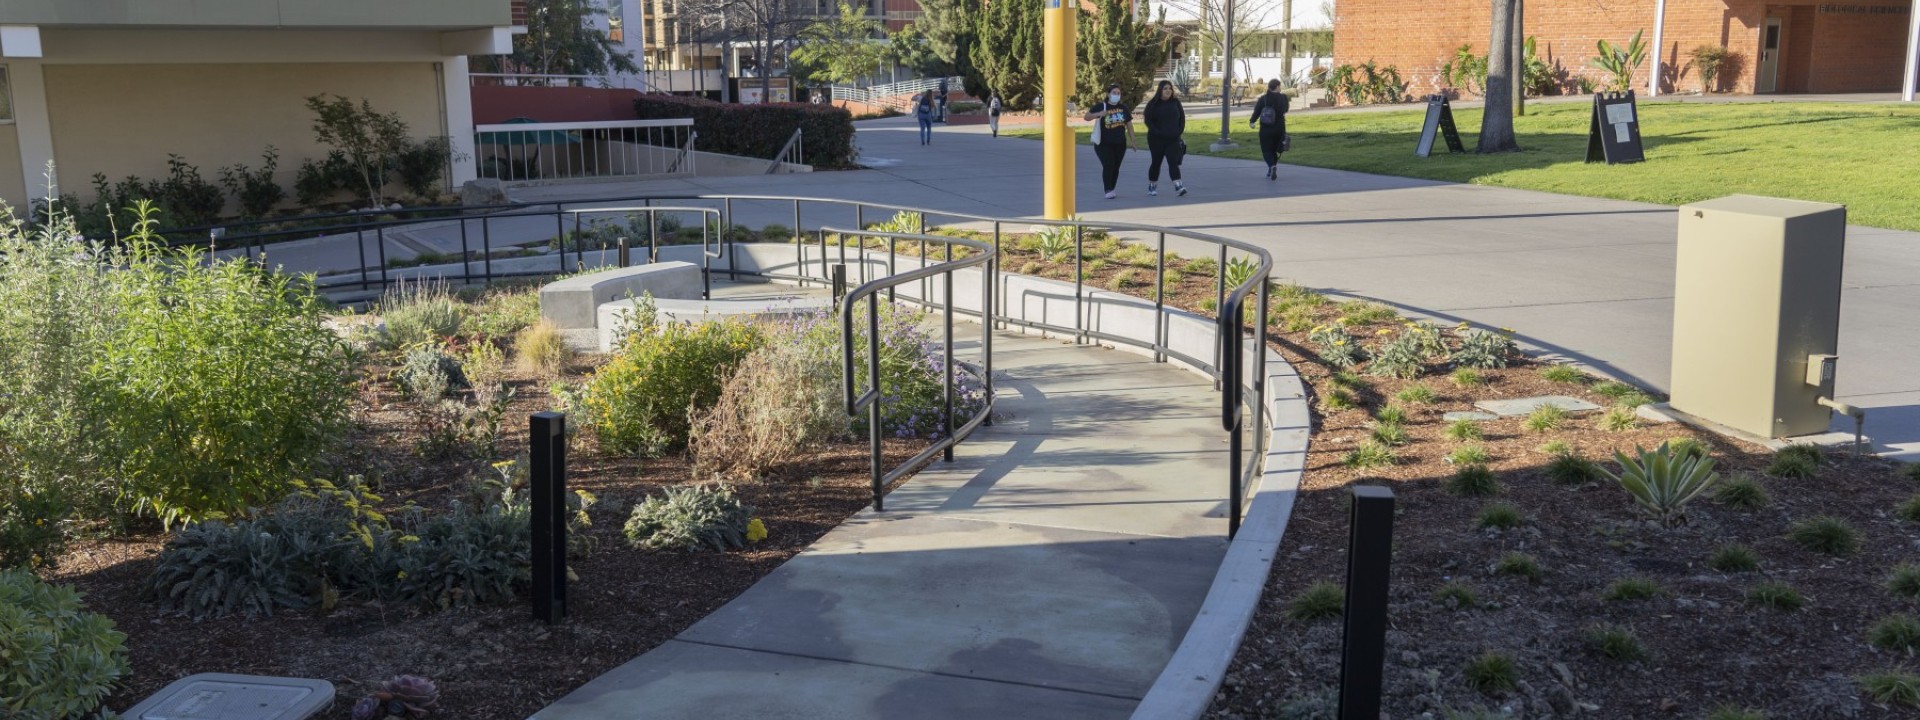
{"x": 1496, "y": 125}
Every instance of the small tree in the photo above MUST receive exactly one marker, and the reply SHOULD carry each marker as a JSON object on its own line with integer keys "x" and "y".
{"x": 1708, "y": 59}
{"x": 371, "y": 141}
{"x": 561, "y": 39}
{"x": 843, "y": 48}
{"x": 952, "y": 28}
{"x": 1116, "y": 48}
{"x": 1009, "y": 50}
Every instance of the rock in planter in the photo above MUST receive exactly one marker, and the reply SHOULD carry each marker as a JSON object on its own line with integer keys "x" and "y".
{"x": 484, "y": 191}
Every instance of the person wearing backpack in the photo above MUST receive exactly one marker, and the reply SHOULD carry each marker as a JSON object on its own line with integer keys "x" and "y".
{"x": 1166, "y": 124}
{"x": 923, "y": 111}
{"x": 943, "y": 101}
{"x": 1112, "y": 136}
{"x": 993, "y": 114}
{"x": 1270, "y": 115}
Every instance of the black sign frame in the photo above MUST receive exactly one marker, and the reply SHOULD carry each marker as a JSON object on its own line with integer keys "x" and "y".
{"x": 1439, "y": 121}
{"x": 1614, "y": 133}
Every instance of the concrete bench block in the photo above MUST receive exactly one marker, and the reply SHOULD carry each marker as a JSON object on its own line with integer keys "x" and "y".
{"x": 572, "y": 303}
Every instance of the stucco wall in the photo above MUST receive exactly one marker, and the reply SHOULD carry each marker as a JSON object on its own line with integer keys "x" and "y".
{"x": 124, "y": 119}
{"x": 13, "y": 187}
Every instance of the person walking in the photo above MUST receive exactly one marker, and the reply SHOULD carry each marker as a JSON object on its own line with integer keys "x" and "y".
{"x": 943, "y": 101}
{"x": 1166, "y": 125}
{"x": 1270, "y": 115}
{"x": 923, "y": 111}
{"x": 993, "y": 114}
{"x": 1112, "y": 136}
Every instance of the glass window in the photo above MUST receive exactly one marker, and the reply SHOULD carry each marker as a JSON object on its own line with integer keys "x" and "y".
{"x": 6, "y": 96}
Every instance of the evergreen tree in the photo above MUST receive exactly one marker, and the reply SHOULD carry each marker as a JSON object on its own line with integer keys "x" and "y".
{"x": 1115, "y": 48}
{"x": 1009, "y": 50}
{"x": 952, "y": 29}
{"x": 911, "y": 48}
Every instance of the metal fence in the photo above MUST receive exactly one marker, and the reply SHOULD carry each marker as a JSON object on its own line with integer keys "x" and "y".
{"x": 582, "y": 150}
{"x": 579, "y": 229}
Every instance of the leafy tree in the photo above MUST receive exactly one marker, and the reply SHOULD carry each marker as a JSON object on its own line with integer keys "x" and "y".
{"x": 841, "y": 49}
{"x": 1496, "y": 124}
{"x": 952, "y": 28}
{"x": 561, "y": 40}
{"x": 1008, "y": 50}
{"x": 912, "y": 48}
{"x": 1117, "y": 48}
{"x": 372, "y": 141}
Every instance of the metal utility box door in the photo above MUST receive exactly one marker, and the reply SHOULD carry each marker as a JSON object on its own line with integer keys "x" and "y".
{"x": 1756, "y": 292}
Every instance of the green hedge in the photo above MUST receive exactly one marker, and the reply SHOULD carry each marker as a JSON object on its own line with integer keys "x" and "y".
{"x": 759, "y": 131}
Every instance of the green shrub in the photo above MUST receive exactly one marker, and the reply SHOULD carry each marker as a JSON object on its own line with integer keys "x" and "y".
{"x": 503, "y": 314}
{"x": 1468, "y": 378}
{"x": 1619, "y": 419}
{"x": 61, "y": 661}
{"x": 1390, "y": 434}
{"x": 1500, "y": 516}
{"x": 641, "y": 399}
{"x": 1469, "y": 455}
{"x": 1337, "y": 400}
{"x": 1239, "y": 271}
{"x": 1400, "y": 357}
{"x": 697, "y": 517}
{"x": 1520, "y": 565}
{"x": 784, "y": 399}
{"x": 1909, "y": 510}
{"x": 1614, "y": 390}
{"x": 1615, "y": 643}
{"x": 1742, "y": 492}
{"x": 1416, "y": 395}
{"x": 1337, "y": 348}
{"x": 419, "y": 313}
{"x": 1370, "y": 454}
{"x": 1465, "y": 429}
{"x": 1557, "y": 447}
{"x": 421, "y": 163}
{"x": 1775, "y": 596}
{"x": 1564, "y": 374}
{"x": 1911, "y": 470}
{"x": 1796, "y": 462}
{"x": 541, "y": 349}
{"x": 1457, "y": 596}
{"x": 1896, "y": 633}
{"x": 1826, "y": 534}
{"x": 1904, "y": 581}
{"x": 1350, "y": 380}
{"x": 255, "y": 190}
{"x": 1546, "y": 418}
{"x": 1391, "y": 415}
{"x": 1570, "y": 469}
{"x": 1483, "y": 349}
{"x": 1366, "y": 312}
{"x": 1734, "y": 558}
{"x": 1473, "y": 481}
{"x": 1122, "y": 280}
{"x": 1689, "y": 447}
{"x": 1492, "y": 673}
{"x": 1735, "y": 712}
{"x": 1632, "y": 589}
{"x": 1298, "y": 318}
{"x": 1319, "y": 601}
{"x": 1892, "y": 687}
{"x": 1663, "y": 482}
{"x": 759, "y": 131}
{"x": 162, "y": 384}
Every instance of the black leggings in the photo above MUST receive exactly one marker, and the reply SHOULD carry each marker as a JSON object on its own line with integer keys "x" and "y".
{"x": 1110, "y": 157}
{"x": 1157, "y": 148}
{"x": 1270, "y": 136}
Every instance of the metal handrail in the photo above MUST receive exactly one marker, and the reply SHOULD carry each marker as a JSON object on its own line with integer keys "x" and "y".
{"x": 870, "y": 400}
{"x": 789, "y": 153}
{"x": 1243, "y": 388}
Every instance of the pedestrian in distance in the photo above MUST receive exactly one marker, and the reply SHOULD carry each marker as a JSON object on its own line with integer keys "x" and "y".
{"x": 923, "y": 111}
{"x": 1270, "y": 115}
{"x": 1112, "y": 136}
{"x": 943, "y": 101}
{"x": 1166, "y": 128}
{"x": 993, "y": 114}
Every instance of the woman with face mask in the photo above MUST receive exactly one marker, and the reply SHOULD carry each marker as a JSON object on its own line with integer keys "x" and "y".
{"x": 1113, "y": 135}
{"x": 1166, "y": 123}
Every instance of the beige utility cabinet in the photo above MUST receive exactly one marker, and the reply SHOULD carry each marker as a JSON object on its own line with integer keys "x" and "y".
{"x": 1756, "y": 313}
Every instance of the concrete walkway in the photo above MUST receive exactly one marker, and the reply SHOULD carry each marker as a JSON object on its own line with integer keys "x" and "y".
{"x": 1584, "y": 278}
{"x": 1048, "y": 572}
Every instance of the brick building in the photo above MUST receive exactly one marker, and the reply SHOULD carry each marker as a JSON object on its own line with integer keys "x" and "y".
{"x": 1777, "y": 46}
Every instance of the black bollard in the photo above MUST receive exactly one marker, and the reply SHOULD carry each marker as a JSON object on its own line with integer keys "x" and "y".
{"x": 547, "y": 454}
{"x": 1364, "y": 645}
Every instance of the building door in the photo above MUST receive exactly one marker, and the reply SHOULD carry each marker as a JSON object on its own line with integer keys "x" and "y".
{"x": 1768, "y": 79}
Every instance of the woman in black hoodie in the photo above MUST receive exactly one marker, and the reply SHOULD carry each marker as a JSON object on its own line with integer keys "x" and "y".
{"x": 1270, "y": 115}
{"x": 1166, "y": 123}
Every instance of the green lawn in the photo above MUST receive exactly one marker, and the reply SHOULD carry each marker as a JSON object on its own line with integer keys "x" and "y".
{"x": 1866, "y": 156}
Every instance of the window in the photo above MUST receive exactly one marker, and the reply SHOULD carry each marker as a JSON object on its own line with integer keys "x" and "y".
{"x": 616, "y": 29}
{"x": 6, "y": 96}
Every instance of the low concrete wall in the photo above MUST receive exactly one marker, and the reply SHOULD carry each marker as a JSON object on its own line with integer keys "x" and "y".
{"x": 574, "y": 303}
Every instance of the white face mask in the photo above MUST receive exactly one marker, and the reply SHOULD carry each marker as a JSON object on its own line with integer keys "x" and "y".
{"x": 1113, "y": 97}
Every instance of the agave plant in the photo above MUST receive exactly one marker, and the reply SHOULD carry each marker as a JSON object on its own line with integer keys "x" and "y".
{"x": 1664, "y": 480}
{"x": 407, "y": 696}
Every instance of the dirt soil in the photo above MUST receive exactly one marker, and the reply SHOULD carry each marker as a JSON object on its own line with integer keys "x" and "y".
{"x": 492, "y": 662}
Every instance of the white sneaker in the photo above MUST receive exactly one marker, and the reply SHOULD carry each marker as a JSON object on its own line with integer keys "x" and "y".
{"x": 1153, "y": 189}
{"x": 1111, "y": 195}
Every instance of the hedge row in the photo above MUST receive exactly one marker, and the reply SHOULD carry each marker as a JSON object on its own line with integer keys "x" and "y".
{"x": 759, "y": 131}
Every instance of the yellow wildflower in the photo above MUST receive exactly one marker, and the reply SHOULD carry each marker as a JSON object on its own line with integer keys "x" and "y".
{"x": 756, "y": 530}
{"x": 1384, "y": 331}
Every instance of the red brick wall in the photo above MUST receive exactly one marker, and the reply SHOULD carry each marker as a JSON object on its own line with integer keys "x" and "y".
{"x": 1828, "y": 52}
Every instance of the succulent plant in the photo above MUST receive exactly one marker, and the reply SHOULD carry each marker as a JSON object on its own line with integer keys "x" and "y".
{"x": 407, "y": 696}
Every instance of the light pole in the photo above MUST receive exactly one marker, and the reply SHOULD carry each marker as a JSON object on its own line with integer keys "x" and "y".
{"x": 1226, "y": 86}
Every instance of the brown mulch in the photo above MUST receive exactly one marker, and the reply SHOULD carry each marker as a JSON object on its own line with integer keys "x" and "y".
{"x": 491, "y": 662}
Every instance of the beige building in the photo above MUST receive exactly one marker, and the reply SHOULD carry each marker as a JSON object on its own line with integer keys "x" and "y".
{"x": 114, "y": 86}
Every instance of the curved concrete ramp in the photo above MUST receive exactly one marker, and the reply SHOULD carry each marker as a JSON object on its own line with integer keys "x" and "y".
{"x": 1048, "y": 572}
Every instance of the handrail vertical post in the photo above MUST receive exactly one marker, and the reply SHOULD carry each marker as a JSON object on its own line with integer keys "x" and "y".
{"x": 486, "y": 247}
{"x": 380, "y": 243}
{"x": 873, "y": 409}
{"x": 946, "y": 380}
{"x": 466, "y": 253}
{"x": 360, "y": 243}
{"x": 1079, "y": 283}
{"x": 989, "y": 278}
{"x": 1160, "y": 301}
{"x": 1219, "y": 299}
{"x": 926, "y": 298}
{"x": 1260, "y": 372}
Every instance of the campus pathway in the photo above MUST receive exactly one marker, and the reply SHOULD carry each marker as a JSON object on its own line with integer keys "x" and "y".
{"x": 1048, "y": 572}
{"x": 1584, "y": 278}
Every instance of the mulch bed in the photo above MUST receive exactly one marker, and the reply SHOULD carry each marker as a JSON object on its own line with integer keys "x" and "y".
{"x": 491, "y": 662}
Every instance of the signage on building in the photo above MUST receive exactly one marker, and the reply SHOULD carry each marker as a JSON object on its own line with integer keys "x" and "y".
{"x": 1840, "y": 9}
{"x": 778, "y": 91}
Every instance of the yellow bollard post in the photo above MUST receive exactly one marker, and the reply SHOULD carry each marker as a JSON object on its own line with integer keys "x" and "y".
{"x": 1060, "y": 23}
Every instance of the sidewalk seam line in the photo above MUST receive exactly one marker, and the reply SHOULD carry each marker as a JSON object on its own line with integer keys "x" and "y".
{"x": 906, "y": 669}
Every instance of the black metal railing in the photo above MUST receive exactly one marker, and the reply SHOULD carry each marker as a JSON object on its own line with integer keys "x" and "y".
{"x": 1240, "y": 379}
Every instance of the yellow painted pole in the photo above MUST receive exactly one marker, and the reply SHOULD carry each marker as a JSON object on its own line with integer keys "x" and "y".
{"x": 1056, "y": 91}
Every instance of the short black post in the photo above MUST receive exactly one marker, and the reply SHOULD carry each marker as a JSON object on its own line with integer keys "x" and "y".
{"x": 623, "y": 251}
{"x": 1364, "y": 646}
{"x": 547, "y": 453}
{"x": 839, "y": 282}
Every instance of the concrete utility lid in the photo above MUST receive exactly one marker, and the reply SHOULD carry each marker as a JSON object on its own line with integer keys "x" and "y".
{"x": 1523, "y": 406}
{"x": 1468, "y": 415}
{"x": 219, "y": 696}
